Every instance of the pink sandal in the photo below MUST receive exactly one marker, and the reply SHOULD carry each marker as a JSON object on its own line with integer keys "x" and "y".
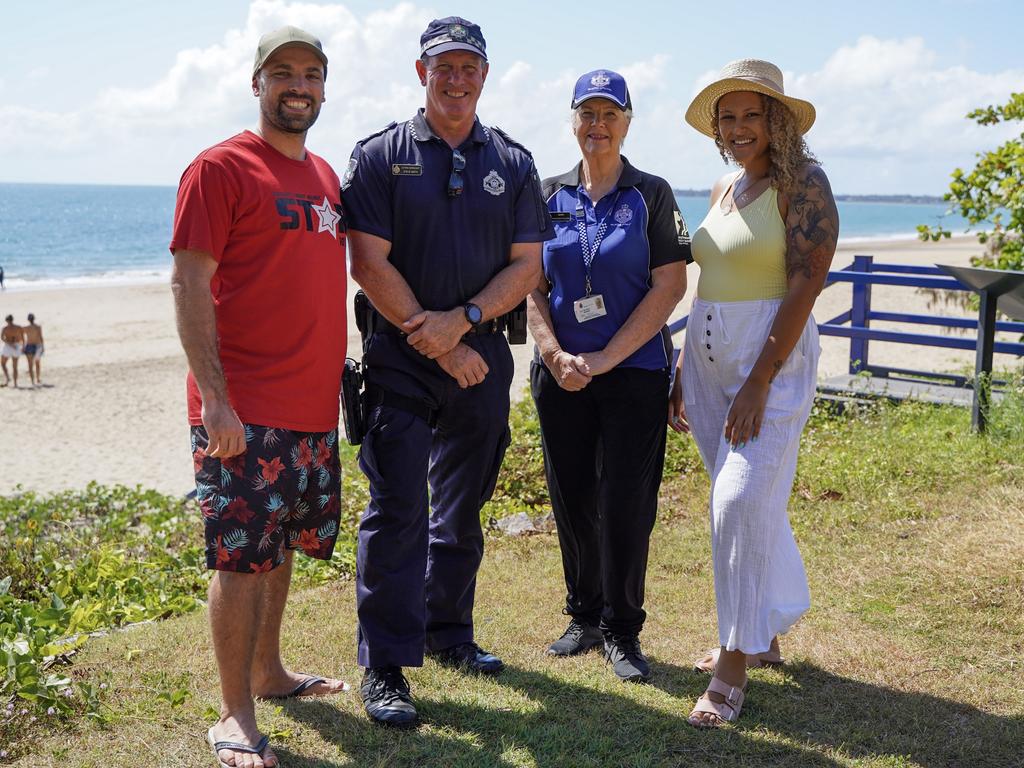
{"x": 726, "y": 711}
{"x": 708, "y": 662}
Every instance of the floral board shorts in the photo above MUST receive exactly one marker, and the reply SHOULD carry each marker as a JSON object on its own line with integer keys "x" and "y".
{"x": 283, "y": 492}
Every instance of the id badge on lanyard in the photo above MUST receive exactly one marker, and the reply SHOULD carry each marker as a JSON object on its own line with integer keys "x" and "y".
{"x": 590, "y": 306}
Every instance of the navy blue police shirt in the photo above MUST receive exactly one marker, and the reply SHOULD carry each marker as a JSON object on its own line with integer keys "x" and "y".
{"x": 446, "y": 247}
{"x": 644, "y": 230}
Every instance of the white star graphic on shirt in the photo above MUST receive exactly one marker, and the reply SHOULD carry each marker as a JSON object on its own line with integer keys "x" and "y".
{"x": 329, "y": 218}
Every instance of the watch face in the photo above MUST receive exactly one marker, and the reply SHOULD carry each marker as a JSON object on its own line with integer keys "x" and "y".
{"x": 473, "y": 314}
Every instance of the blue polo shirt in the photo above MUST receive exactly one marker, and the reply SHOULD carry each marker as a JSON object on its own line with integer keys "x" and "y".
{"x": 447, "y": 248}
{"x": 643, "y": 230}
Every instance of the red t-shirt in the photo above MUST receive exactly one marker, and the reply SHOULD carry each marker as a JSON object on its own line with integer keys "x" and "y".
{"x": 275, "y": 228}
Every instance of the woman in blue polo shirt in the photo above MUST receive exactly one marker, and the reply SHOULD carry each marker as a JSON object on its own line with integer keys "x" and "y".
{"x": 613, "y": 274}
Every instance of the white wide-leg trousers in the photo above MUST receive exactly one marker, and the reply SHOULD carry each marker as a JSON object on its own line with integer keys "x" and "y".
{"x": 760, "y": 583}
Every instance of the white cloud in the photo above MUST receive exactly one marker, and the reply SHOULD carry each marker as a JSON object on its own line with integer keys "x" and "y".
{"x": 890, "y": 119}
{"x": 148, "y": 135}
{"x": 885, "y": 110}
{"x": 871, "y": 63}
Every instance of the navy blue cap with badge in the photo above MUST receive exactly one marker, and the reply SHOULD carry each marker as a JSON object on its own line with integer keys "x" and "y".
{"x": 602, "y": 84}
{"x": 452, "y": 33}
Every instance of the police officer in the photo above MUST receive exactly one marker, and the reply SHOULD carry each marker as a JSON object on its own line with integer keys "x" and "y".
{"x": 445, "y": 222}
{"x": 612, "y": 276}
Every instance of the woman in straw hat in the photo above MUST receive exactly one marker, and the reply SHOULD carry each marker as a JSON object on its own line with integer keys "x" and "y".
{"x": 749, "y": 366}
{"x": 612, "y": 275}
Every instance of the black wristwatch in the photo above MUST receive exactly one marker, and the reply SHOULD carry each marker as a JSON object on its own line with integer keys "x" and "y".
{"x": 474, "y": 316}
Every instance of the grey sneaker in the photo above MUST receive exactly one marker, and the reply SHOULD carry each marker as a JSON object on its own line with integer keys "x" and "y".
{"x": 624, "y": 654}
{"x": 577, "y": 638}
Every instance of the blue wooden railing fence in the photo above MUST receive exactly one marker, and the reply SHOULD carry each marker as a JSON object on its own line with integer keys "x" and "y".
{"x": 855, "y": 323}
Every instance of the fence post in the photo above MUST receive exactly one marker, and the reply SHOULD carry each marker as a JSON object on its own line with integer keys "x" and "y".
{"x": 860, "y": 315}
{"x": 983, "y": 361}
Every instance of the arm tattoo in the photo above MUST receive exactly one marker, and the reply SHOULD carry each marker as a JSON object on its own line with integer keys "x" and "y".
{"x": 812, "y": 227}
{"x": 776, "y": 367}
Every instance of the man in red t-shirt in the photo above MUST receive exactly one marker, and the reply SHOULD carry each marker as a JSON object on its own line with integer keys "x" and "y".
{"x": 259, "y": 290}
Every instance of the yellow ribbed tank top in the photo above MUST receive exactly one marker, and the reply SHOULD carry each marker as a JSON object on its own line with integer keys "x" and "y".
{"x": 742, "y": 254}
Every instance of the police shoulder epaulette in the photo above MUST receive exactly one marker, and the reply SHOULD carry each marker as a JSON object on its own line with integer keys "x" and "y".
{"x": 381, "y": 132}
{"x": 510, "y": 141}
{"x": 548, "y": 188}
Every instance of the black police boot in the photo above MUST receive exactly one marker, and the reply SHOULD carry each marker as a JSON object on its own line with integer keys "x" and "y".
{"x": 469, "y": 657}
{"x": 623, "y": 653}
{"x": 577, "y": 638}
{"x": 385, "y": 694}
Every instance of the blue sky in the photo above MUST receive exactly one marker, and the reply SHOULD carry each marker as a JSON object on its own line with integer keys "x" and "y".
{"x": 111, "y": 91}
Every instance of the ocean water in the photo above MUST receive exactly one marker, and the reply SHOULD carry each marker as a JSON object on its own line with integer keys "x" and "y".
{"x": 52, "y": 235}
{"x": 861, "y": 222}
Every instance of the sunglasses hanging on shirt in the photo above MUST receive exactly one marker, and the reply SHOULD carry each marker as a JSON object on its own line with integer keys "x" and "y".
{"x": 455, "y": 181}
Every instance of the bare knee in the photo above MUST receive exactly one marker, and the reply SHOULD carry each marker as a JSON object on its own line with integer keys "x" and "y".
{"x": 236, "y": 586}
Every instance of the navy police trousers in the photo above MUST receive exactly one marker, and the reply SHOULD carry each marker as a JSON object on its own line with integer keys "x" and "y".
{"x": 416, "y": 570}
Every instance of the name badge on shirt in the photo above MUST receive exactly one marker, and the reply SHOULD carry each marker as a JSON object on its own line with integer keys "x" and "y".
{"x": 406, "y": 169}
{"x": 589, "y": 308}
{"x": 561, "y": 216}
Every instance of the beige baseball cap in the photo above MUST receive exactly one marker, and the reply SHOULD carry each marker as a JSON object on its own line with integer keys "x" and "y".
{"x": 279, "y": 38}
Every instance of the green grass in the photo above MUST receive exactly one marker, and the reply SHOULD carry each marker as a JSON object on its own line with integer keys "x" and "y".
{"x": 911, "y": 529}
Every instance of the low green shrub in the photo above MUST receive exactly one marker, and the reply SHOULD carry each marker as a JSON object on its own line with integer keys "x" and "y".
{"x": 521, "y": 486}
{"x": 79, "y": 562}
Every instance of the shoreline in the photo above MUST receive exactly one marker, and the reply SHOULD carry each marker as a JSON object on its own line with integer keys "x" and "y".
{"x": 113, "y": 405}
{"x": 102, "y": 280}
{"x": 155, "y": 276}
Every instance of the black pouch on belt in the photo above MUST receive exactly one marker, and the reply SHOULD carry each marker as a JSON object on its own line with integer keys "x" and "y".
{"x": 515, "y": 324}
{"x": 362, "y": 308}
{"x": 352, "y": 411}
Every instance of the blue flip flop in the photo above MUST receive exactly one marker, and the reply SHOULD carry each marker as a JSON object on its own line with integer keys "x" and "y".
{"x": 302, "y": 687}
{"x": 217, "y": 746}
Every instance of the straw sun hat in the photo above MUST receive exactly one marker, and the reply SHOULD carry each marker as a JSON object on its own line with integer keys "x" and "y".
{"x": 745, "y": 75}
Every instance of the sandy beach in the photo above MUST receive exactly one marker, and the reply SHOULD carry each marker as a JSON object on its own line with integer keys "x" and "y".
{"x": 112, "y": 408}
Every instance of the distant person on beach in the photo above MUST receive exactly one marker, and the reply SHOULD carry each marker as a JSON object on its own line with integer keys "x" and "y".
{"x": 33, "y": 348}
{"x": 445, "y": 225}
{"x": 749, "y": 366}
{"x": 13, "y": 337}
{"x": 2, "y": 286}
{"x": 259, "y": 290}
{"x": 612, "y": 276}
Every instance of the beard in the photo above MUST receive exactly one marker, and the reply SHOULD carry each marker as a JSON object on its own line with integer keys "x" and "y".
{"x": 277, "y": 116}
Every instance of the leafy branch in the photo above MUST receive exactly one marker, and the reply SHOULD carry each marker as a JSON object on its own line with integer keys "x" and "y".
{"x": 991, "y": 196}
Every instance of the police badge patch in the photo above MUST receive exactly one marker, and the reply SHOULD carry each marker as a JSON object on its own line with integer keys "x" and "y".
{"x": 493, "y": 183}
{"x": 623, "y": 215}
{"x": 682, "y": 233}
{"x": 600, "y": 80}
{"x": 350, "y": 172}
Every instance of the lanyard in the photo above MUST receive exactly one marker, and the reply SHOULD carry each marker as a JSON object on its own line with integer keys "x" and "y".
{"x": 590, "y": 251}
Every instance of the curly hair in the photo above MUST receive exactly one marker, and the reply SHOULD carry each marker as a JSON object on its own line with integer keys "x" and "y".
{"x": 787, "y": 150}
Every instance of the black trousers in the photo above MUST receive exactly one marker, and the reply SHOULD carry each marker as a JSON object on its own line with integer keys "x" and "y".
{"x": 604, "y": 453}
